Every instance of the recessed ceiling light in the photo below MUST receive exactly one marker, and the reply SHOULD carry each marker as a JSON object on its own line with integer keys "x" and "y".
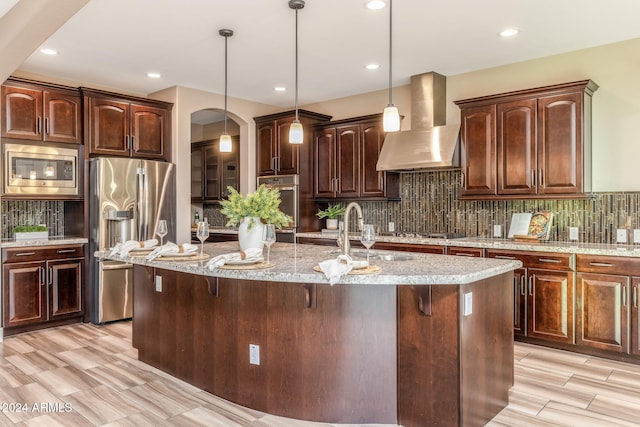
{"x": 508, "y": 32}
{"x": 375, "y": 4}
{"x": 49, "y": 51}
{"x": 153, "y": 75}
{"x": 280, "y": 88}
{"x": 372, "y": 66}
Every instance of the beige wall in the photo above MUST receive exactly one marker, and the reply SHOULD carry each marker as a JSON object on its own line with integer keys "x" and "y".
{"x": 213, "y": 130}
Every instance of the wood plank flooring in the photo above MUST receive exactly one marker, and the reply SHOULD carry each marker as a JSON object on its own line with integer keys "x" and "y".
{"x": 87, "y": 375}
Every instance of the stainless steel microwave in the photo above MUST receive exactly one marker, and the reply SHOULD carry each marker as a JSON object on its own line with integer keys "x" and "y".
{"x": 40, "y": 170}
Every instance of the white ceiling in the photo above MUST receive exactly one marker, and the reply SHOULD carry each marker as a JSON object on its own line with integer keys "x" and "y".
{"x": 114, "y": 43}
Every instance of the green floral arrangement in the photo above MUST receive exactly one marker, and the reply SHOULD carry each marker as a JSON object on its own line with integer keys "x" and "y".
{"x": 263, "y": 204}
{"x": 332, "y": 212}
{"x": 28, "y": 228}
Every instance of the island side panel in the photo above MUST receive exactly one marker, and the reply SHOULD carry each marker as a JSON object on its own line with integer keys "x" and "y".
{"x": 428, "y": 356}
{"x": 332, "y": 352}
{"x": 486, "y": 353}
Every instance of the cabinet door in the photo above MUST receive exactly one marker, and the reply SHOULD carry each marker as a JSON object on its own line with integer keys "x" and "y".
{"x": 149, "y": 131}
{"x": 517, "y": 147}
{"x": 265, "y": 149}
{"x": 62, "y": 118}
{"x": 550, "y": 303}
{"x": 65, "y": 287}
{"x": 635, "y": 316}
{"x": 197, "y": 162}
{"x": 371, "y": 180}
{"x": 211, "y": 172}
{"x": 347, "y": 161}
{"x": 478, "y": 150}
{"x": 22, "y": 113}
{"x": 230, "y": 173}
{"x": 602, "y": 311}
{"x": 109, "y": 127}
{"x": 324, "y": 155}
{"x": 287, "y": 154}
{"x": 25, "y": 294}
{"x": 560, "y": 144}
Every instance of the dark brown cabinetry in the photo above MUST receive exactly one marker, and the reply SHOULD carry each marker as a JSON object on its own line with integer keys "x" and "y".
{"x": 41, "y": 287}
{"x": 120, "y": 126}
{"x": 607, "y": 303}
{"x": 543, "y": 294}
{"x": 533, "y": 143}
{"x": 345, "y": 157}
{"x": 212, "y": 171}
{"x": 41, "y": 113}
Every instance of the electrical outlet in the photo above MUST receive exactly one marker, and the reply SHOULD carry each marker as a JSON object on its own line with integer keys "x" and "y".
{"x": 621, "y": 235}
{"x": 254, "y": 354}
{"x": 636, "y": 236}
{"x": 468, "y": 304}
{"x": 497, "y": 231}
{"x": 158, "y": 283}
{"x": 392, "y": 227}
{"x": 573, "y": 233}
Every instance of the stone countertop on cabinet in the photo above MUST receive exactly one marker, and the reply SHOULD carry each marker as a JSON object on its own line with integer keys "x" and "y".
{"x": 506, "y": 244}
{"x": 295, "y": 262}
{"x": 53, "y": 241}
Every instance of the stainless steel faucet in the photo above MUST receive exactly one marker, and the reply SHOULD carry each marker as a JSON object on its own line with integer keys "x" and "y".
{"x": 346, "y": 247}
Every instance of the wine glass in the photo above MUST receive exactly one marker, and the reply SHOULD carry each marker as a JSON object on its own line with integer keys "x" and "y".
{"x": 161, "y": 229}
{"x": 202, "y": 233}
{"x": 368, "y": 237}
{"x": 269, "y": 237}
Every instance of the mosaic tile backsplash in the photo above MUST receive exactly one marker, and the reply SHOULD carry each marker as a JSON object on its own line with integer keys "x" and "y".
{"x": 32, "y": 212}
{"x": 430, "y": 204}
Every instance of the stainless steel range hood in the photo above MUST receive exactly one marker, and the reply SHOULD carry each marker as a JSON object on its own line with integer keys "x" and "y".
{"x": 430, "y": 144}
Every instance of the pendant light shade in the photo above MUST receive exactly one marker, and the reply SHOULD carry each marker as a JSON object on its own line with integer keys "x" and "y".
{"x": 296, "y": 133}
{"x": 225, "y": 145}
{"x": 391, "y": 116}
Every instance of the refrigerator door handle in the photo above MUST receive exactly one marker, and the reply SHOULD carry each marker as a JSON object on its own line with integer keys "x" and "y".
{"x": 140, "y": 205}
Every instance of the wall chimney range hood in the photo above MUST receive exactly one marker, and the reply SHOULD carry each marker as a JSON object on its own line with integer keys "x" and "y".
{"x": 430, "y": 144}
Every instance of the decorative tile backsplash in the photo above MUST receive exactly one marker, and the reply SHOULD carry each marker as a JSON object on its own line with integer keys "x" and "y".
{"x": 32, "y": 212}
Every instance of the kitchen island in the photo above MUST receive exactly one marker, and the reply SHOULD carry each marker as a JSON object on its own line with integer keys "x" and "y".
{"x": 427, "y": 340}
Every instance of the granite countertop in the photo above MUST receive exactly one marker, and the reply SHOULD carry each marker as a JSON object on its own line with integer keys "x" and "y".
{"x": 508, "y": 244}
{"x": 53, "y": 241}
{"x": 295, "y": 262}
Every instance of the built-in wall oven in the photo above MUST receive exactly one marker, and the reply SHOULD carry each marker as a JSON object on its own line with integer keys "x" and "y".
{"x": 39, "y": 169}
{"x": 288, "y": 186}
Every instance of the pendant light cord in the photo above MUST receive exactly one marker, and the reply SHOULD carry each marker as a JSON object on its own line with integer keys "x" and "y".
{"x": 390, "y": 48}
{"x": 296, "y": 64}
{"x": 226, "y": 39}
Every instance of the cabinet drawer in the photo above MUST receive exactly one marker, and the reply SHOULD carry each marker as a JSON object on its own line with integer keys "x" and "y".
{"x": 11, "y": 255}
{"x": 545, "y": 260}
{"x": 470, "y": 252}
{"x": 410, "y": 247}
{"x": 626, "y": 266}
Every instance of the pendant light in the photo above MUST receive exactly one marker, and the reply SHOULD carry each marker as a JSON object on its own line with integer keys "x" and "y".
{"x": 225, "y": 145}
{"x": 296, "y": 135}
{"x": 390, "y": 117}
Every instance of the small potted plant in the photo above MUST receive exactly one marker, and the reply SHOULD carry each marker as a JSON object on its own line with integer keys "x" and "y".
{"x": 251, "y": 211}
{"x": 31, "y": 232}
{"x": 331, "y": 214}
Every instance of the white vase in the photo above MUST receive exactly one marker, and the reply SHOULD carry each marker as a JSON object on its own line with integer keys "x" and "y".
{"x": 332, "y": 223}
{"x": 250, "y": 238}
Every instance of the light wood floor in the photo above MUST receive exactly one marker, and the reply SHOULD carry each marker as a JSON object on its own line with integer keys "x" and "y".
{"x": 86, "y": 375}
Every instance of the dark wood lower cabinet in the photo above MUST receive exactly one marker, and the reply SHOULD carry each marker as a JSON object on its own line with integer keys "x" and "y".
{"x": 341, "y": 354}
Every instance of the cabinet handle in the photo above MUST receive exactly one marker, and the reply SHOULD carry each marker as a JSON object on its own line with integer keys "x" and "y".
{"x": 553, "y": 261}
{"x": 25, "y": 253}
{"x": 505, "y": 257}
{"x": 39, "y": 125}
{"x": 531, "y": 284}
{"x": 50, "y": 276}
{"x": 533, "y": 177}
{"x": 635, "y": 296}
{"x": 540, "y": 178}
{"x": 522, "y": 280}
{"x": 41, "y": 276}
{"x": 309, "y": 296}
{"x": 624, "y": 295}
{"x": 600, "y": 264}
{"x": 133, "y": 142}
{"x": 464, "y": 254}
{"x": 46, "y": 125}
{"x": 276, "y": 163}
{"x": 462, "y": 179}
{"x": 126, "y": 142}
{"x": 65, "y": 251}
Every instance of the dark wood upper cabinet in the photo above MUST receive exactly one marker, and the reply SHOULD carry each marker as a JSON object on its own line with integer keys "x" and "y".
{"x": 532, "y": 143}
{"x": 345, "y": 157}
{"x": 132, "y": 127}
{"x": 212, "y": 171}
{"x": 41, "y": 113}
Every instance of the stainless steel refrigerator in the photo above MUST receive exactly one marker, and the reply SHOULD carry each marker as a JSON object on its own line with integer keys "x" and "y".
{"x": 127, "y": 199}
